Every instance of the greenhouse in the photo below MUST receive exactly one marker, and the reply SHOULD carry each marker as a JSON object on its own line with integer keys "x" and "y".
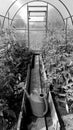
{"x": 36, "y": 64}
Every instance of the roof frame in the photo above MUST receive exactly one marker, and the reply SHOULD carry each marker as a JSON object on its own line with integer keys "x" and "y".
{"x": 67, "y": 10}
{"x": 8, "y": 11}
{"x": 39, "y": 1}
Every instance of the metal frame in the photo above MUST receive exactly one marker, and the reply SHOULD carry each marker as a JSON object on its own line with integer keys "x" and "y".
{"x": 37, "y": 21}
{"x": 29, "y": 11}
{"x": 40, "y": 1}
{"x": 36, "y": 16}
{"x": 8, "y": 11}
{"x": 32, "y": 16}
{"x": 5, "y": 17}
{"x": 67, "y": 10}
{"x": 46, "y": 20}
{"x": 8, "y": 19}
{"x": 27, "y": 29}
{"x": 68, "y": 17}
{"x": 66, "y": 31}
{"x": 28, "y": 25}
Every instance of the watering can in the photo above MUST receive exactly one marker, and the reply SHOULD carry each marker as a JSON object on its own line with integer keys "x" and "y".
{"x": 38, "y": 103}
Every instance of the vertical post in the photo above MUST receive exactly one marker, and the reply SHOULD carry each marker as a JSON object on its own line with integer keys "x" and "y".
{"x": 47, "y": 16}
{"x": 66, "y": 31}
{"x": 46, "y": 19}
{"x": 28, "y": 24}
{"x": 46, "y": 22}
{"x": 8, "y": 18}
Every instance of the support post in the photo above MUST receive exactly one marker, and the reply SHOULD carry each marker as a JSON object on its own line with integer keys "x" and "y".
{"x": 28, "y": 25}
{"x": 46, "y": 19}
{"x": 8, "y": 18}
{"x": 66, "y": 31}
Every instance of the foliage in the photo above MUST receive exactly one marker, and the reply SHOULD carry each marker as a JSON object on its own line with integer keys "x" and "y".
{"x": 58, "y": 60}
{"x": 14, "y": 58}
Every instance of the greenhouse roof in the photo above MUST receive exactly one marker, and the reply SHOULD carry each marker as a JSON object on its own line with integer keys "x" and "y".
{"x": 9, "y": 9}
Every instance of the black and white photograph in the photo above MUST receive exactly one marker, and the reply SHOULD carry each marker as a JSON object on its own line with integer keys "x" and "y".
{"x": 36, "y": 64}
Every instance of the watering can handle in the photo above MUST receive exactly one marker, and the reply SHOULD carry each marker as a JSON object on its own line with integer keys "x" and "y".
{"x": 46, "y": 106}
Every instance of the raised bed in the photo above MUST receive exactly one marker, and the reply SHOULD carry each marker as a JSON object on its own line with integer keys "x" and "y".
{"x": 60, "y": 76}
{"x": 45, "y": 88}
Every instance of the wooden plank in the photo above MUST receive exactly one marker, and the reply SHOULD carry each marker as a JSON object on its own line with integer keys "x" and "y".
{"x": 22, "y": 107}
{"x": 55, "y": 125}
{"x": 38, "y": 124}
{"x": 35, "y": 77}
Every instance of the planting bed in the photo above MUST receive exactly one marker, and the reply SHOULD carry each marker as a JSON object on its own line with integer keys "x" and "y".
{"x": 14, "y": 60}
{"x": 30, "y": 121}
{"x": 59, "y": 70}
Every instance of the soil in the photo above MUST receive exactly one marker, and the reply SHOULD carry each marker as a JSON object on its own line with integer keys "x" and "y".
{"x": 68, "y": 121}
